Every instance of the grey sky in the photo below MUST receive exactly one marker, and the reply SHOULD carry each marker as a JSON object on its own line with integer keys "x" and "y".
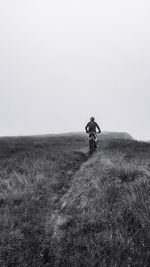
{"x": 62, "y": 61}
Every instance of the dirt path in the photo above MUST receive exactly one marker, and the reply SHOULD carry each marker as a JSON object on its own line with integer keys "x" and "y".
{"x": 67, "y": 189}
{"x": 54, "y": 218}
{"x": 82, "y": 165}
{"x": 86, "y": 166}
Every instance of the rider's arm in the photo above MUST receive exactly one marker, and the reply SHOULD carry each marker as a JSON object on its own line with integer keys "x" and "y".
{"x": 98, "y": 128}
{"x": 86, "y": 127}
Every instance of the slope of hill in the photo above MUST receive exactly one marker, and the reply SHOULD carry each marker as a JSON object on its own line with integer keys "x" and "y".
{"x": 60, "y": 207}
{"x": 117, "y": 135}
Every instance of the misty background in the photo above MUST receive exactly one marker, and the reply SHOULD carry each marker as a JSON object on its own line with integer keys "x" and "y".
{"x": 63, "y": 61}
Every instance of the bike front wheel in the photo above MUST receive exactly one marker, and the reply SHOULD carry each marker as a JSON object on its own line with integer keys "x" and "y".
{"x": 91, "y": 146}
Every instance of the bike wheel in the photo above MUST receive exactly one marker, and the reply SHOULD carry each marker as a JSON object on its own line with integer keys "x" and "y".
{"x": 91, "y": 146}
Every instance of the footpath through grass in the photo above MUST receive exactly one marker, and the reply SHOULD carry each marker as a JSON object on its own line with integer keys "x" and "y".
{"x": 105, "y": 215}
{"x": 61, "y": 208}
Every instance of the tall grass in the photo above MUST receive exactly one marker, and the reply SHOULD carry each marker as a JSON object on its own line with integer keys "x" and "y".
{"x": 59, "y": 208}
{"x": 34, "y": 174}
{"x": 106, "y": 211}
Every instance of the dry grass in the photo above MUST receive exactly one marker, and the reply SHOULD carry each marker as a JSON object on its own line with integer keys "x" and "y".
{"x": 34, "y": 174}
{"x": 57, "y": 210}
{"x": 106, "y": 212}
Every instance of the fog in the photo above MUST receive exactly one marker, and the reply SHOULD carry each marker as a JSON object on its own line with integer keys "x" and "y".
{"x": 63, "y": 61}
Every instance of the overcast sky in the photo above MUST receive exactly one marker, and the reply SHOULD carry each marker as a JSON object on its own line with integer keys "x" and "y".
{"x": 63, "y": 61}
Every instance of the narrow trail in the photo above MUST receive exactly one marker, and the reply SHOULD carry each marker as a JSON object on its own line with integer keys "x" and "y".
{"x": 65, "y": 178}
{"x": 82, "y": 165}
{"x": 86, "y": 167}
{"x": 54, "y": 218}
{"x": 80, "y": 178}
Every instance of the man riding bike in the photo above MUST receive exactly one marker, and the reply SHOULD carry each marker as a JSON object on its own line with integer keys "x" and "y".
{"x": 91, "y": 128}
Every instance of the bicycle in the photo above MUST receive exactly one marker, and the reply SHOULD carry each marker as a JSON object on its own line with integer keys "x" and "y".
{"x": 92, "y": 142}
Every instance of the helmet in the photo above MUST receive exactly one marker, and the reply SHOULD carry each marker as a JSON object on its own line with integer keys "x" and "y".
{"x": 92, "y": 119}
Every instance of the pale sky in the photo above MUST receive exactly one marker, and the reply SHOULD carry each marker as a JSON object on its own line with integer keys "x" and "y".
{"x": 63, "y": 61}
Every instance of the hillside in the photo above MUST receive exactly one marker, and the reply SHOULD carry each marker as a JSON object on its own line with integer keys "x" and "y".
{"x": 60, "y": 207}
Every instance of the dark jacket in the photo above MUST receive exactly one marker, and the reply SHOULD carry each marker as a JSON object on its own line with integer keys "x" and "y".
{"x": 91, "y": 127}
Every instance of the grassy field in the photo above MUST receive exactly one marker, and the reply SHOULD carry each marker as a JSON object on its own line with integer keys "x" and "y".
{"x": 60, "y": 207}
{"x": 35, "y": 172}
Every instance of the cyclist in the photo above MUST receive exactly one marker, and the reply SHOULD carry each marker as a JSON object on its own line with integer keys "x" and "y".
{"x": 91, "y": 127}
